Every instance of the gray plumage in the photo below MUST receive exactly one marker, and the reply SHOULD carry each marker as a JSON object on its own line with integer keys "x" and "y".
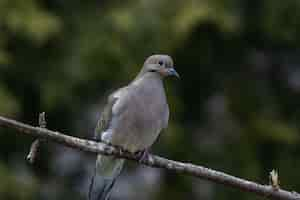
{"x": 132, "y": 119}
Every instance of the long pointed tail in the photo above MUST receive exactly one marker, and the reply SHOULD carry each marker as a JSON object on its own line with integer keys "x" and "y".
{"x": 107, "y": 169}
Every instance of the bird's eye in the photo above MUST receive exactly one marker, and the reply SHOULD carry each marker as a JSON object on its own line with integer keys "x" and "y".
{"x": 160, "y": 63}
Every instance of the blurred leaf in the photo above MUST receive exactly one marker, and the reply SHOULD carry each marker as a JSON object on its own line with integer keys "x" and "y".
{"x": 13, "y": 187}
{"x": 29, "y": 19}
{"x": 276, "y": 130}
{"x": 8, "y": 104}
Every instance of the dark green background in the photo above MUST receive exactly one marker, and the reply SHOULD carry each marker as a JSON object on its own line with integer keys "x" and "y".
{"x": 235, "y": 109}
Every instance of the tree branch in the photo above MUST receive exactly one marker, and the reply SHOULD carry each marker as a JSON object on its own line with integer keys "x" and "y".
{"x": 154, "y": 161}
{"x": 36, "y": 144}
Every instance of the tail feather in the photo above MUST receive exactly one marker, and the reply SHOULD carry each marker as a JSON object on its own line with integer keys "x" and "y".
{"x": 106, "y": 189}
{"x": 100, "y": 189}
{"x": 106, "y": 171}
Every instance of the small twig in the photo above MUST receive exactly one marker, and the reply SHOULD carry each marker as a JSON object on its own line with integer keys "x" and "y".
{"x": 274, "y": 179}
{"x": 35, "y": 145}
{"x": 153, "y": 161}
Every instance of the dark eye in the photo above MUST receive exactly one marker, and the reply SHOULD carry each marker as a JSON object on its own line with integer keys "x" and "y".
{"x": 160, "y": 62}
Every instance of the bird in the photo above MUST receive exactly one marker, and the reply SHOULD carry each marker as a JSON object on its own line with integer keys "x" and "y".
{"x": 132, "y": 119}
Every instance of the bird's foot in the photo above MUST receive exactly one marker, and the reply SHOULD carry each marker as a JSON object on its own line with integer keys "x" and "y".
{"x": 121, "y": 151}
{"x": 97, "y": 138}
{"x": 143, "y": 155}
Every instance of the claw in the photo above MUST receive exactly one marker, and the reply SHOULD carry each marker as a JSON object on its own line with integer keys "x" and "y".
{"x": 120, "y": 149}
{"x": 97, "y": 138}
{"x": 143, "y": 155}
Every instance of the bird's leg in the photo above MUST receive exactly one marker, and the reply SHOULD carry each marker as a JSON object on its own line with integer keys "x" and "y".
{"x": 97, "y": 137}
{"x": 120, "y": 149}
{"x": 143, "y": 155}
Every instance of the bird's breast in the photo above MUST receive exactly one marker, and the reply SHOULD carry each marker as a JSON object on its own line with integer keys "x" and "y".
{"x": 141, "y": 122}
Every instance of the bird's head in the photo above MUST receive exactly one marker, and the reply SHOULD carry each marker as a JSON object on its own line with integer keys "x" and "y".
{"x": 160, "y": 64}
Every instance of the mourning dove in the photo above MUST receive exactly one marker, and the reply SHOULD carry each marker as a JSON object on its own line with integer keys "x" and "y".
{"x": 132, "y": 119}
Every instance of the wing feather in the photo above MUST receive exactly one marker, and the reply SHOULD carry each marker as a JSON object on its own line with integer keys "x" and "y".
{"x": 108, "y": 111}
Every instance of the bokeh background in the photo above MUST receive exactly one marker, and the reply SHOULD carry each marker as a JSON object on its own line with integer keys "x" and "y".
{"x": 235, "y": 109}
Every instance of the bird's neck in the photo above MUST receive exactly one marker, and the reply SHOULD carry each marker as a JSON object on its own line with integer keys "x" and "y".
{"x": 151, "y": 87}
{"x": 148, "y": 78}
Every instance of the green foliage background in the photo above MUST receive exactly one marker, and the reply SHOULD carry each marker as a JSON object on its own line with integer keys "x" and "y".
{"x": 235, "y": 109}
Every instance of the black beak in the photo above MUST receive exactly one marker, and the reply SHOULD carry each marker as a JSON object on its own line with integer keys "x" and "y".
{"x": 172, "y": 72}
